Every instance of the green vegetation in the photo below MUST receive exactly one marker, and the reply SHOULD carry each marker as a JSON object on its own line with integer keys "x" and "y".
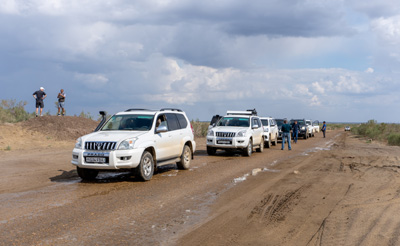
{"x": 12, "y": 112}
{"x": 389, "y": 133}
{"x": 200, "y": 128}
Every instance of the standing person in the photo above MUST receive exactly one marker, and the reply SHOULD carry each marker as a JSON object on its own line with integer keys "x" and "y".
{"x": 39, "y": 95}
{"x": 323, "y": 128}
{"x": 286, "y": 128}
{"x": 296, "y": 129}
{"x": 61, "y": 100}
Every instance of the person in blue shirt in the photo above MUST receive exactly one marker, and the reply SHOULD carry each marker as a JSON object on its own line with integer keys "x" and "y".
{"x": 323, "y": 128}
{"x": 286, "y": 128}
{"x": 296, "y": 129}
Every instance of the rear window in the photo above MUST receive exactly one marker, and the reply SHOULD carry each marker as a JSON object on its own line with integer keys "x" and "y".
{"x": 182, "y": 120}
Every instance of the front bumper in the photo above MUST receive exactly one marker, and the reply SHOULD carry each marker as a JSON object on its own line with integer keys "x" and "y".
{"x": 228, "y": 143}
{"x": 115, "y": 159}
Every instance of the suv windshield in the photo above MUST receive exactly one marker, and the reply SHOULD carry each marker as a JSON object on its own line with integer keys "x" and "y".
{"x": 264, "y": 122}
{"x": 279, "y": 122}
{"x": 300, "y": 122}
{"x": 130, "y": 122}
{"x": 234, "y": 121}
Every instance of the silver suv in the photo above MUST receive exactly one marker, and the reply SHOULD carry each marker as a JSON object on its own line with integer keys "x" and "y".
{"x": 271, "y": 131}
{"x": 237, "y": 130}
{"x": 136, "y": 139}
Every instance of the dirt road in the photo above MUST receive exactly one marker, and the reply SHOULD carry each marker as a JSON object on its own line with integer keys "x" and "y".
{"x": 334, "y": 191}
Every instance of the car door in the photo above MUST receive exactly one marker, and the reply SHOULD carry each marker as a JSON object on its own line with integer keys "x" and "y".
{"x": 176, "y": 131}
{"x": 257, "y": 130}
{"x": 162, "y": 139}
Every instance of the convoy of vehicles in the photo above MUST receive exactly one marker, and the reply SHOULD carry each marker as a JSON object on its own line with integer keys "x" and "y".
{"x": 142, "y": 140}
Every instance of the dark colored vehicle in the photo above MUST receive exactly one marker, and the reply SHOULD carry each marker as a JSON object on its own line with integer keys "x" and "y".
{"x": 215, "y": 119}
{"x": 279, "y": 122}
{"x": 303, "y": 127}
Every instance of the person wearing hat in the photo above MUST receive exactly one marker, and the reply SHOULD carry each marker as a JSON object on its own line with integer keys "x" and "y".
{"x": 323, "y": 128}
{"x": 39, "y": 95}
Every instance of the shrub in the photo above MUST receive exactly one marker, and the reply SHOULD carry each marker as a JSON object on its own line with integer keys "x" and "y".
{"x": 200, "y": 128}
{"x": 11, "y": 111}
{"x": 394, "y": 139}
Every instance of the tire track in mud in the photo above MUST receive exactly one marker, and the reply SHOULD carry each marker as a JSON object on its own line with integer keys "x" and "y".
{"x": 367, "y": 214}
{"x": 274, "y": 207}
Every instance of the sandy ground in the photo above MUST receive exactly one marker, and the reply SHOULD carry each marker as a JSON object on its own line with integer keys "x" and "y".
{"x": 339, "y": 190}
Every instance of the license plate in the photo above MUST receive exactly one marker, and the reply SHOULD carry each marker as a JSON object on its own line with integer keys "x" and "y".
{"x": 96, "y": 159}
{"x": 224, "y": 142}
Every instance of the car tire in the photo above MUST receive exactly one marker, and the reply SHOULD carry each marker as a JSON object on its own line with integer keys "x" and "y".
{"x": 261, "y": 148}
{"x": 211, "y": 150}
{"x": 186, "y": 157}
{"x": 268, "y": 143}
{"x": 86, "y": 173}
{"x": 275, "y": 142}
{"x": 249, "y": 149}
{"x": 145, "y": 170}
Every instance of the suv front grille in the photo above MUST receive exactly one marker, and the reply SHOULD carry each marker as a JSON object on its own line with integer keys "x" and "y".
{"x": 225, "y": 134}
{"x": 100, "y": 145}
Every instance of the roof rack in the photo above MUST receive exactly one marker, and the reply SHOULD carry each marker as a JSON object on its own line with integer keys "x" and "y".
{"x": 247, "y": 112}
{"x": 171, "y": 109}
{"x": 137, "y": 109}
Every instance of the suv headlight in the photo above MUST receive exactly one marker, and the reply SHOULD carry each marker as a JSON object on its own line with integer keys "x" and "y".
{"x": 210, "y": 133}
{"x": 242, "y": 133}
{"x": 127, "y": 144}
{"x": 78, "y": 144}
{"x": 266, "y": 130}
{"x": 303, "y": 128}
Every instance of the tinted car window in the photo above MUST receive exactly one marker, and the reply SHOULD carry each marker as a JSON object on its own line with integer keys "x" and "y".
{"x": 264, "y": 122}
{"x": 182, "y": 121}
{"x": 172, "y": 122}
{"x": 234, "y": 121}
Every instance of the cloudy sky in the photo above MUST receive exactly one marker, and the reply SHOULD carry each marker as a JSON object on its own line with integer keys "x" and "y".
{"x": 333, "y": 60}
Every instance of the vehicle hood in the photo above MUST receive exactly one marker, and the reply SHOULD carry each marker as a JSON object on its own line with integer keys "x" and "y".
{"x": 113, "y": 136}
{"x": 229, "y": 128}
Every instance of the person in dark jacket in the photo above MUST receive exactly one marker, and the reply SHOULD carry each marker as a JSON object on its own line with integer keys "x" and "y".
{"x": 286, "y": 128}
{"x": 296, "y": 129}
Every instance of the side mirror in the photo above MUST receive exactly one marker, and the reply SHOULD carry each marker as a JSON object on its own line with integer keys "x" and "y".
{"x": 255, "y": 126}
{"x": 161, "y": 129}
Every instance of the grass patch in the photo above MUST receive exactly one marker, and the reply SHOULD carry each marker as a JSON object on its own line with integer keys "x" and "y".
{"x": 389, "y": 133}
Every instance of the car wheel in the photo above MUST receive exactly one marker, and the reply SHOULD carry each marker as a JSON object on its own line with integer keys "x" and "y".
{"x": 249, "y": 149}
{"x": 261, "y": 148}
{"x": 211, "y": 150}
{"x": 145, "y": 169}
{"x": 275, "y": 142}
{"x": 186, "y": 157}
{"x": 268, "y": 143}
{"x": 86, "y": 173}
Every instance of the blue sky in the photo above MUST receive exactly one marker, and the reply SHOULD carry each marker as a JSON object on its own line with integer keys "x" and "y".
{"x": 332, "y": 60}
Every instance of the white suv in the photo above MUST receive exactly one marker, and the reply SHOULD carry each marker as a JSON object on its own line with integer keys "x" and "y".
{"x": 310, "y": 128}
{"x": 271, "y": 131}
{"x": 137, "y": 139}
{"x": 237, "y": 130}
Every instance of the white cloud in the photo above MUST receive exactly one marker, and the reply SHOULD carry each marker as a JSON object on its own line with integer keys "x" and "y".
{"x": 369, "y": 70}
{"x": 92, "y": 79}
